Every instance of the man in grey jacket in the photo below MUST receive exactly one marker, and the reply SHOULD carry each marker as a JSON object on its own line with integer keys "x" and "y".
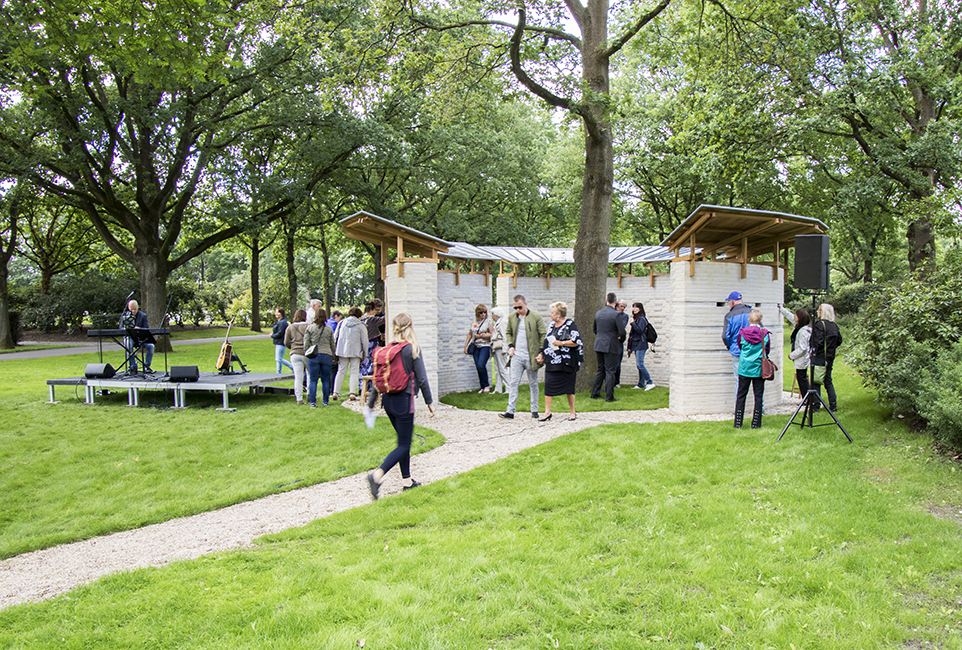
{"x": 607, "y": 347}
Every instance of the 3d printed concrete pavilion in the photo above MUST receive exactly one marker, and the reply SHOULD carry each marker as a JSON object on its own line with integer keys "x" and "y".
{"x": 716, "y": 250}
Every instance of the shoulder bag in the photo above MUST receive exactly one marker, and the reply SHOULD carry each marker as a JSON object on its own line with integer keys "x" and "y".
{"x": 768, "y": 366}
{"x": 818, "y": 372}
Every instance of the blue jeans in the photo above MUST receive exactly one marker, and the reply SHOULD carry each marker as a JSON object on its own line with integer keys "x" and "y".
{"x": 643, "y": 377}
{"x": 481, "y": 357}
{"x": 319, "y": 365}
{"x": 281, "y": 361}
{"x": 148, "y": 355}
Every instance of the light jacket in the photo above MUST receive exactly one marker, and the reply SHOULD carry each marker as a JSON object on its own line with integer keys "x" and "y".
{"x": 753, "y": 342}
{"x": 350, "y": 339}
{"x": 534, "y": 330}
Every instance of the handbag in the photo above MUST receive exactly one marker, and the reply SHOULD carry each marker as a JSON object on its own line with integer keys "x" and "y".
{"x": 470, "y": 348}
{"x": 311, "y": 352}
{"x": 768, "y": 368}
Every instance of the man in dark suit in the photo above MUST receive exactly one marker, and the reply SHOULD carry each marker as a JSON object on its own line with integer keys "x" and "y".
{"x": 607, "y": 346}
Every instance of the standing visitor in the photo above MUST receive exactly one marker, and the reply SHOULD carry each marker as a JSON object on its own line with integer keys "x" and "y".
{"x": 526, "y": 330}
{"x": 498, "y": 350}
{"x": 801, "y": 346}
{"x": 277, "y": 335}
{"x": 373, "y": 320}
{"x": 319, "y": 366}
{"x": 607, "y": 346}
{"x": 754, "y": 342}
{"x": 621, "y": 306}
{"x": 480, "y": 335}
{"x": 826, "y": 338}
{"x": 735, "y": 320}
{"x": 638, "y": 344}
{"x": 400, "y": 406}
{"x": 294, "y": 341}
{"x": 561, "y": 355}
{"x": 350, "y": 346}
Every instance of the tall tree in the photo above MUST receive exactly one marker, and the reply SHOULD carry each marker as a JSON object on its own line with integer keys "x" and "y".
{"x": 10, "y": 195}
{"x": 140, "y": 101}
{"x": 571, "y": 72}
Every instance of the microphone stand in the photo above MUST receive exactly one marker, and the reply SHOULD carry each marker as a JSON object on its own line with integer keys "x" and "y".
{"x": 166, "y": 325}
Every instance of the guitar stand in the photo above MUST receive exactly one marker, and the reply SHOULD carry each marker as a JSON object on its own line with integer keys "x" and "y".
{"x": 231, "y": 371}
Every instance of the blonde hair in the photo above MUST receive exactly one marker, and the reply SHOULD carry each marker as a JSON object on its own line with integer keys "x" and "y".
{"x": 826, "y": 312}
{"x": 404, "y": 331}
{"x": 755, "y": 317}
{"x": 560, "y": 307}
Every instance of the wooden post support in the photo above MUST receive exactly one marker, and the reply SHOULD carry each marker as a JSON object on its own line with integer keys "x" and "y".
{"x": 400, "y": 256}
{"x": 744, "y": 257}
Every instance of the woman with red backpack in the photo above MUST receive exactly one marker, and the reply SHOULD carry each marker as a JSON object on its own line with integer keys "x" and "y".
{"x": 399, "y": 405}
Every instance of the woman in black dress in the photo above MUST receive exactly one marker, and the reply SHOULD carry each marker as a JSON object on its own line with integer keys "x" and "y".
{"x": 561, "y": 355}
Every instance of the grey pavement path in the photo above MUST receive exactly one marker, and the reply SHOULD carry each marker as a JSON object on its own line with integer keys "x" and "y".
{"x": 92, "y": 347}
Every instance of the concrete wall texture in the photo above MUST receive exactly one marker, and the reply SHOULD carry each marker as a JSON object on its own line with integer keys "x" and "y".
{"x": 687, "y": 311}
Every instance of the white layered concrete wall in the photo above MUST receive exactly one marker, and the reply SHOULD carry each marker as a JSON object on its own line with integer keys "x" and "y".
{"x": 417, "y": 294}
{"x": 456, "y": 304}
{"x": 656, "y": 300}
{"x": 702, "y": 380}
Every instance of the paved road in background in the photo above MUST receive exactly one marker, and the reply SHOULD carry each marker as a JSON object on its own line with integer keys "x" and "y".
{"x": 92, "y": 347}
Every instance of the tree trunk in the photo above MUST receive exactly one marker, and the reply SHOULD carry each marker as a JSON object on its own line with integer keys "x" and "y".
{"x": 153, "y": 273}
{"x": 291, "y": 275}
{"x": 255, "y": 284}
{"x": 594, "y": 228}
{"x": 7, "y": 341}
{"x": 326, "y": 279}
{"x": 921, "y": 245}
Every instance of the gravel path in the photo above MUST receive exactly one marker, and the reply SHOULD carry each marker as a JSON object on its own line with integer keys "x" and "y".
{"x": 50, "y": 572}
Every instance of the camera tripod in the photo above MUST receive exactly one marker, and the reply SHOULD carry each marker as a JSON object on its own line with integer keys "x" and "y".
{"x": 812, "y": 400}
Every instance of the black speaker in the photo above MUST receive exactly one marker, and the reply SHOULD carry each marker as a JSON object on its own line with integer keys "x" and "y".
{"x": 811, "y": 262}
{"x": 184, "y": 373}
{"x": 99, "y": 371}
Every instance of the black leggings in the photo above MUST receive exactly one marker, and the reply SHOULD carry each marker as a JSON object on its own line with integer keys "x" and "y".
{"x": 398, "y": 408}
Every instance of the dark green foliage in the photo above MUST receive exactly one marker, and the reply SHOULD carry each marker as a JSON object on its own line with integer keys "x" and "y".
{"x": 848, "y": 300}
{"x": 71, "y": 299}
{"x": 907, "y": 345}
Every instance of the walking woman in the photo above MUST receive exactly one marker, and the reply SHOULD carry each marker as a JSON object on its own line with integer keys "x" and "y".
{"x": 499, "y": 351}
{"x": 826, "y": 338}
{"x": 638, "y": 344}
{"x": 319, "y": 334}
{"x": 277, "y": 335}
{"x": 561, "y": 354}
{"x": 400, "y": 406}
{"x": 480, "y": 336}
{"x": 294, "y": 340}
{"x": 350, "y": 346}
{"x": 754, "y": 342}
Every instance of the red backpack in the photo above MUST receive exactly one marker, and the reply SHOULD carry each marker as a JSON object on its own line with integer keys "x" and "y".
{"x": 389, "y": 374}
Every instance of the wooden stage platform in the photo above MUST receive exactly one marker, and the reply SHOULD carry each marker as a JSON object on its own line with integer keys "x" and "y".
{"x": 211, "y": 382}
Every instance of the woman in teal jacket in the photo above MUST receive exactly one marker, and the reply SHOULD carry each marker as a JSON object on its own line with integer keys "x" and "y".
{"x": 754, "y": 342}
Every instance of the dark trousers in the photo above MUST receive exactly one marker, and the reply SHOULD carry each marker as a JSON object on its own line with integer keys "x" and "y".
{"x": 621, "y": 358}
{"x": 758, "y": 385}
{"x": 607, "y": 364}
{"x": 399, "y": 412}
{"x": 802, "y": 377}
{"x": 829, "y": 386}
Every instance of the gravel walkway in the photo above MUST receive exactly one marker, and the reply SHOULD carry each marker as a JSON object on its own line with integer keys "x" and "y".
{"x": 50, "y": 572}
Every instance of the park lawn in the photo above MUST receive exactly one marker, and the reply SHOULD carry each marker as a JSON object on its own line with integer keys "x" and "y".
{"x": 73, "y": 471}
{"x": 689, "y": 535}
{"x": 177, "y": 334}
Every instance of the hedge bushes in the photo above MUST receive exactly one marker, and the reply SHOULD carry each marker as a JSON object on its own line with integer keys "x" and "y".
{"x": 908, "y": 345}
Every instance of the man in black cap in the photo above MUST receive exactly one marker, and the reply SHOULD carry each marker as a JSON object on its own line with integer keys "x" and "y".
{"x": 735, "y": 320}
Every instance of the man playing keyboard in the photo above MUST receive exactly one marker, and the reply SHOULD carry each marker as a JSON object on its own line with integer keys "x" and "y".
{"x": 133, "y": 318}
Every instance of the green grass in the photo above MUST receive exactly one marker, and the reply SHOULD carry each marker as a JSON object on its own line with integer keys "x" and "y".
{"x": 687, "y": 535}
{"x": 30, "y": 348}
{"x": 72, "y": 471}
{"x": 177, "y": 334}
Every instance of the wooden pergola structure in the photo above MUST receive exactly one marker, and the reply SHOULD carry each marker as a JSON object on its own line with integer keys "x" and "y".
{"x": 739, "y": 236}
{"x": 410, "y": 245}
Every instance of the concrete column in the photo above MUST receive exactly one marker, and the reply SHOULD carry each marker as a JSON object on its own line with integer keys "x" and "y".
{"x": 417, "y": 294}
{"x": 701, "y": 368}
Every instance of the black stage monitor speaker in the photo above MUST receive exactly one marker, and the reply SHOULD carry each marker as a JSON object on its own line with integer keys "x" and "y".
{"x": 99, "y": 371}
{"x": 811, "y": 262}
{"x": 184, "y": 373}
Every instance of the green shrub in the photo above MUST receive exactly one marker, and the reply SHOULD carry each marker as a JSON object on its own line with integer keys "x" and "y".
{"x": 903, "y": 344}
{"x": 849, "y": 299}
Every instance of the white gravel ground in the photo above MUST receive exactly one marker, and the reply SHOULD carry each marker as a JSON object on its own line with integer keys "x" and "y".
{"x": 474, "y": 438}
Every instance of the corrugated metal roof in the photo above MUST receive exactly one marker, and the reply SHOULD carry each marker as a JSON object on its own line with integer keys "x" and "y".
{"x": 531, "y": 255}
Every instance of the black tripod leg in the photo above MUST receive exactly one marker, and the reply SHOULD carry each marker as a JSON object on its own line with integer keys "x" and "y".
{"x": 804, "y": 405}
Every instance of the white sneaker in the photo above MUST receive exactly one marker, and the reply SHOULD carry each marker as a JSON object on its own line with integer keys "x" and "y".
{"x": 369, "y": 416}
{"x": 637, "y": 387}
{"x": 649, "y": 387}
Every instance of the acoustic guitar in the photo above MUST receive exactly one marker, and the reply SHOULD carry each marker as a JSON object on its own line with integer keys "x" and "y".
{"x": 226, "y": 350}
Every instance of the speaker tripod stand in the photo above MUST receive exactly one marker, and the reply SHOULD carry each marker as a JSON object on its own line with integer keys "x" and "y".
{"x": 812, "y": 400}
